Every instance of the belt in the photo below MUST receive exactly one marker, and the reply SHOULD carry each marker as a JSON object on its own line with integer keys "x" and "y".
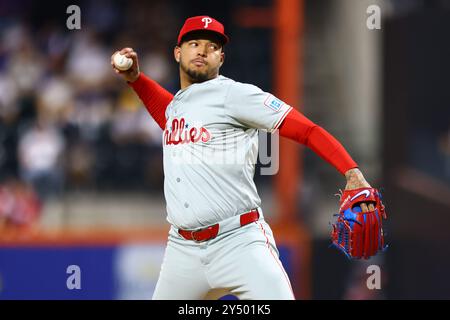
{"x": 208, "y": 233}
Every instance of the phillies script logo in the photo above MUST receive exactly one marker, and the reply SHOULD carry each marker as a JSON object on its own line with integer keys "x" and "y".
{"x": 181, "y": 133}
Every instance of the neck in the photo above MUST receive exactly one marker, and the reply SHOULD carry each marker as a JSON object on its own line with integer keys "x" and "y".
{"x": 186, "y": 81}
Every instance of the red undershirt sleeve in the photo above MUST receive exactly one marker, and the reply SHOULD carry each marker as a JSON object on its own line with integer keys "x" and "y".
{"x": 299, "y": 128}
{"x": 155, "y": 98}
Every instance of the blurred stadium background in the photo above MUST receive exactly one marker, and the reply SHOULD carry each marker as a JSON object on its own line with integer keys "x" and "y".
{"x": 81, "y": 161}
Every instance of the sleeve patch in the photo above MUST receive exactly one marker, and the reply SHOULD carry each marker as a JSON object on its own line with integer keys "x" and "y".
{"x": 273, "y": 103}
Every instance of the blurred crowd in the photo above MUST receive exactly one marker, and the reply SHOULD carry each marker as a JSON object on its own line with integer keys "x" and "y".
{"x": 67, "y": 122}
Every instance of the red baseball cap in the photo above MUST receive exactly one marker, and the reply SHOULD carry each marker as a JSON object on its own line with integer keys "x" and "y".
{"x": 203, "y": 23}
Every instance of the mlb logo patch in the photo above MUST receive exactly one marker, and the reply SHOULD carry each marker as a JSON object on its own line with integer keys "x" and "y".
{"x": 273, "y": 103}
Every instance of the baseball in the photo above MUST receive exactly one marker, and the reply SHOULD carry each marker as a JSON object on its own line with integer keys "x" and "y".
{"x": 121, "y": 62}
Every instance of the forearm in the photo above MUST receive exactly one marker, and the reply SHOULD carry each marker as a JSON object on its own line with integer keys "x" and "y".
{"x": 299, "y": 128}
{"x": 153, "y": 96}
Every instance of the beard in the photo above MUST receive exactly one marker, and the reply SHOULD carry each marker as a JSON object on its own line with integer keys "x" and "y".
{"x": 196, "y": 76}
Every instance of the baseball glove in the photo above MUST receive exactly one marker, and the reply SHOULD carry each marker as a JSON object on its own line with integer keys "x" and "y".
{"x": 359, "y": 234}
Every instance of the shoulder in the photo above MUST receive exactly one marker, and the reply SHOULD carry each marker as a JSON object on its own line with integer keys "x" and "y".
{"x": 242, "y": 86}
{"x": 238, "y": 89}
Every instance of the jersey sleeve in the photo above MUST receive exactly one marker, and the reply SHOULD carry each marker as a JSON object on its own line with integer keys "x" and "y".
{"x": 299, "y": 128}
{"x": 249, "y": 106}
{"x": 155, "y": 98}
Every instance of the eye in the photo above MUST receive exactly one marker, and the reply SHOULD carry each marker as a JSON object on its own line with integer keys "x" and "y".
{"x": 213, "y": 46}
{"x": 193, "y": 44}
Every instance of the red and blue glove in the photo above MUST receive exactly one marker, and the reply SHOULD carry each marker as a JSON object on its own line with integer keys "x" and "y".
{"x": 359, "y": 234}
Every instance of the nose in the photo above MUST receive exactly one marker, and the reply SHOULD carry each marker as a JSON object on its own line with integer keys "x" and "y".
{"x": 202, "y": 51}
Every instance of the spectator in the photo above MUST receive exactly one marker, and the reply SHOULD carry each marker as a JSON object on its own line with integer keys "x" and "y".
{"x": 87, "y": 65}
{"x": 40, "y": 152}
{"x": 55, "y": 100}
{"x": 20, "y": 207}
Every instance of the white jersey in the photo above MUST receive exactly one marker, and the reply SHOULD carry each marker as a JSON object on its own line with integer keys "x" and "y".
{"x": 210, "y": 145}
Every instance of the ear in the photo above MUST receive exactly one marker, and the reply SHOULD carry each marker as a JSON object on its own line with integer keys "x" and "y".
{"x": 222, "y": 58}
{"x": 177, "y": 53}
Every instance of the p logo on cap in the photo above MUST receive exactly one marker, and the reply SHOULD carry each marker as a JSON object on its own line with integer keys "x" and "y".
{"x": 202, "y": 23}
{"x": 207, "y": 21}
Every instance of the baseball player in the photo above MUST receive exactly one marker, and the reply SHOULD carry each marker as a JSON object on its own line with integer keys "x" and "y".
{"x": 219, "y": 242}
